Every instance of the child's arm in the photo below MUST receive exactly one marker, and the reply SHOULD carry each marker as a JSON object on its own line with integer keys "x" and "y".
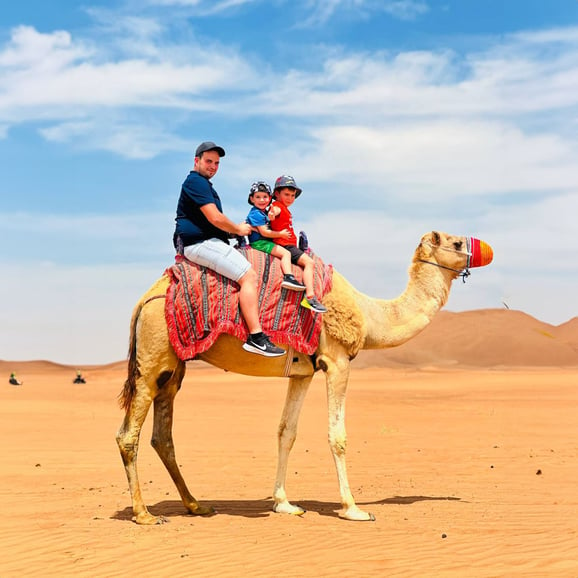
{"x": 264, "y": 231}
{"x": 273, "y": 213}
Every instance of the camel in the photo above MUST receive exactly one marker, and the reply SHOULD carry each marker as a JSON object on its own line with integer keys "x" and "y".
{"x": 352, "y": 323}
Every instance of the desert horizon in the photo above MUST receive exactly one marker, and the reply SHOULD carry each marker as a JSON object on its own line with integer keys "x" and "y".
{"x": 476, "y": 338}
{"x": 461, "y": 442}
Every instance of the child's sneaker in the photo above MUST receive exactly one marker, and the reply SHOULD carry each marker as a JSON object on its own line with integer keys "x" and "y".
{"x": 262, "y": 346}
{"x": 289, "y": 282}
{"x": 313, "y": 304}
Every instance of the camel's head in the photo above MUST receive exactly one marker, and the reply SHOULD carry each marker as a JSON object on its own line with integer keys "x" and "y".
{"x": 457, "y": 254}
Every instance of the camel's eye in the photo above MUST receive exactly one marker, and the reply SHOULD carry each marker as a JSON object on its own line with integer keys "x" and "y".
{"x": 458, "y": 245}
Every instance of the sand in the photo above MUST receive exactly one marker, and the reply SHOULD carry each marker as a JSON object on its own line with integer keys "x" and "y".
{"x": 470, "y": 471}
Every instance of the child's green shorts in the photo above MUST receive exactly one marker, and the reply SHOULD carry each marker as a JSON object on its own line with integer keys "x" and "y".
{"x": 263, "y": 245}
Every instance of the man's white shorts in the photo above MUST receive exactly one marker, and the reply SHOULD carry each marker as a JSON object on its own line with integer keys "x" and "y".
{"x": 218, "y": 256}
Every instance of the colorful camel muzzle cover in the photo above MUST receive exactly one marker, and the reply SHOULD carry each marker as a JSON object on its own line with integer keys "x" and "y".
{"x": 480, "y": 253}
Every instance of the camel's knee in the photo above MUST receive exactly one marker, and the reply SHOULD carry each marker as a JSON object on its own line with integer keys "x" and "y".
{"x": 286, "y": 434}
{"x": 334, "y": 369}
{"x": 338, "y": 445}
{"x": 127, "y": 444}
{"x": 128, "y": 451}
{"x": 162, "y": 445}
{"x": 162, "y": 439}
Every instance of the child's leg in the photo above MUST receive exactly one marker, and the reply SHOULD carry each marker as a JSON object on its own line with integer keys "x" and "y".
{"x": 306, "y": 263}
{"x": 285, "y": 257}
{"x": 310, "y": 301}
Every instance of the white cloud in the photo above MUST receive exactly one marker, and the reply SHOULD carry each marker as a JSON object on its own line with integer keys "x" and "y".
{"x": 405, "y": 9}
{"x": 508, "y": 87}
{"x": 505, "y": 80}
{"x": 204, "y": 8}
{"x": 49, "y": 76}
{"x": 28, "y": 48}
{"x": 320, "y": 11}
{"x": 448, "y": 159}
{"x": 130, "y": 140}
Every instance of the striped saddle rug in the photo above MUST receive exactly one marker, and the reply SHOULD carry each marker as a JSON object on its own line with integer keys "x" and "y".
{"x": 202, "y": 304}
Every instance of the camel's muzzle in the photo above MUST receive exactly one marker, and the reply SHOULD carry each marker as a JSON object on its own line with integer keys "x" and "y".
{"x": 480, "y": 253}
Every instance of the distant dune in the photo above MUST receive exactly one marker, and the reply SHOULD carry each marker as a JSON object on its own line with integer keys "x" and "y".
{"x": 483, "y": 338}
{"x": 480, "y": 338}
{"x": 47, "y": 367}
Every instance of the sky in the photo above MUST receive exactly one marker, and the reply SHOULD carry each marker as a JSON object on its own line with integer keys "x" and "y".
{"x": 395, "y": 117}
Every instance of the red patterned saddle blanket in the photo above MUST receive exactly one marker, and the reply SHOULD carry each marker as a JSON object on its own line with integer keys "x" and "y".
{"x": 201, "y": 304}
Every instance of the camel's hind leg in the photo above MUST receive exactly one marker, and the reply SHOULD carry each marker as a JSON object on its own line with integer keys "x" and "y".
{"x": 298, "y": 387}
{"x": 127, "y": 438}
{"x": 162, "y": 441}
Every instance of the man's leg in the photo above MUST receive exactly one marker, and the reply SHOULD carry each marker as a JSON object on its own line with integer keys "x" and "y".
{"x": 248, "y": 300}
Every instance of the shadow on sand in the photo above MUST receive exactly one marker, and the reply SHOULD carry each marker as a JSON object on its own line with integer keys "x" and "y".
{"x": 264, "y": 508}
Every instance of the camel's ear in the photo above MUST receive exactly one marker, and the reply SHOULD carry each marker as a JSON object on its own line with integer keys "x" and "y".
{"x": 435, "y": 238}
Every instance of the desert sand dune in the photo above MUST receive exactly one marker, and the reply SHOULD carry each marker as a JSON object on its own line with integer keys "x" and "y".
{"x": 462, "y": 443}
{"x": 484, "y": 338}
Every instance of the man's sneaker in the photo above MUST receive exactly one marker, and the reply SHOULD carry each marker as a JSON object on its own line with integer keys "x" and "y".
{"x": 313, "y": 304}
{"x": 289, "y": 282}
{"x": 262, "y": 346}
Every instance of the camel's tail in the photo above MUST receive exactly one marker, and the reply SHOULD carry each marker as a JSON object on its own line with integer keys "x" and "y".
{"x": 126, "y": 395}
{"x": 156, "y": 291}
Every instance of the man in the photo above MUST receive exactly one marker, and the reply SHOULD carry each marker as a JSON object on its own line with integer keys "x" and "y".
{"x": 202, "y": 232}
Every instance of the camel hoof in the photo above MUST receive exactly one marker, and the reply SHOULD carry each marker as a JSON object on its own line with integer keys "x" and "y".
{"x": 198, "y": 510}
{"x": 287, "y": 508}
{"x": 357, "y": 515}
{"x": 147, "y": 519}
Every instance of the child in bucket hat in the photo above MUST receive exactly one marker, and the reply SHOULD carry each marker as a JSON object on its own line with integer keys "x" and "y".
{"x": 285, "y": 193}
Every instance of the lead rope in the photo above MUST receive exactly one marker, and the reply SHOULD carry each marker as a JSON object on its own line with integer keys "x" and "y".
{"x": 464, "y": 273}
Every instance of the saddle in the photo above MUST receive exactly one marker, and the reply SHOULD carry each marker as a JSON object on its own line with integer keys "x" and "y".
{"x": 201, "y": 305}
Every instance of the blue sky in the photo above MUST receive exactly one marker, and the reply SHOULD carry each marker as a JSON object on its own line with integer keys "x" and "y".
{"x": 395, "y": 117}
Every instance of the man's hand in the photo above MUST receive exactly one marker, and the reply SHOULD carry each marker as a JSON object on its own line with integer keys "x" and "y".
{"x": 243, "y": 229}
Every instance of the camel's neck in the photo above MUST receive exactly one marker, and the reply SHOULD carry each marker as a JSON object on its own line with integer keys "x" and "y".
{"x": 392, "y": 322}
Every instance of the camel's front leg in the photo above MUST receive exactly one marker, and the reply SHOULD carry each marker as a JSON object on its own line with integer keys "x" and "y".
{"x": 337, "y": 374}
{"x": 287, "y": 433}
{"x": 162, "y": 441}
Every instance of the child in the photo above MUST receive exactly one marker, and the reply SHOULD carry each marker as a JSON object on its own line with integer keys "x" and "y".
{"x": 285, "y": 193}
{"x": 260, "y": 237}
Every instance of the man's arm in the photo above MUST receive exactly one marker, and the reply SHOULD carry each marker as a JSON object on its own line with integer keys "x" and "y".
{"x": 221, "y": 221}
